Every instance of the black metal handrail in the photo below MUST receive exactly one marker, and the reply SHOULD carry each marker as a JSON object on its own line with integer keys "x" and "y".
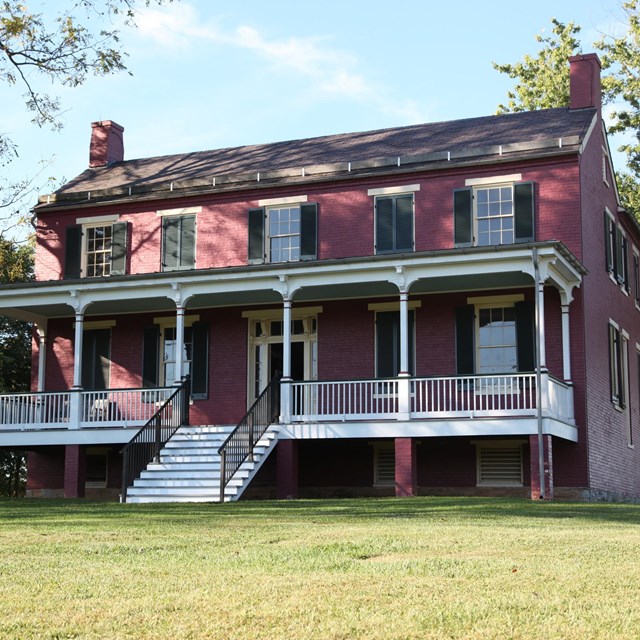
{"x": 145, "y": 446}
{"x": 241, "y": 442}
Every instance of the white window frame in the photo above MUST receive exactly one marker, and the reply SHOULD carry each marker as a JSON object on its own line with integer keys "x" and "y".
{"x": 269, "y": 212}
{"x": 170, "y": 323}
{"x": 258, "y": 364}
{"x": 477, "y": 219}
{"x": 84, "y": 253}
{"x": 636, "y": 276}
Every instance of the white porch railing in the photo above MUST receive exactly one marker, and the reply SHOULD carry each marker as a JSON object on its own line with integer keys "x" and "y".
{"x": 437, "y": 397}
{"x": 80, "y": 409}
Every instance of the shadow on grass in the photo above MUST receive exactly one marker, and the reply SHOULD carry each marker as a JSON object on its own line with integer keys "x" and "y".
{"x": 469, "y": 509}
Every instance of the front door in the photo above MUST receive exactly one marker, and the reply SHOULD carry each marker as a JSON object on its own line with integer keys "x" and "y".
{"x": 266, "y": 353}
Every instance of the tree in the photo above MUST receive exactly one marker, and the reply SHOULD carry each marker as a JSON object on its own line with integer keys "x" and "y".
{"x": 543, "y": 82}
{"x": 16, "y": 265}
{"x": 64, "y": 49}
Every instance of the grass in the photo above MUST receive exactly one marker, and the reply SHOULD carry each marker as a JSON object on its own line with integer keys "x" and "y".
{"x": 371, "y": 568}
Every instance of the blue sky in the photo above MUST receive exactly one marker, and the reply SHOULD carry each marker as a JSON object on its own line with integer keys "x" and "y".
{"x": 210, "y": 74}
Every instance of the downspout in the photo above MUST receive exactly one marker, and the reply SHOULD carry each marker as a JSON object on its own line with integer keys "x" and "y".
{"x": 538, "y": 320}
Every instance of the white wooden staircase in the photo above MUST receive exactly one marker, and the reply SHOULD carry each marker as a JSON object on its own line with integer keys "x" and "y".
{"x": 188, "y": 469}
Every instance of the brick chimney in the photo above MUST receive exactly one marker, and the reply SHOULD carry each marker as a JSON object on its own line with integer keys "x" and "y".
{"x": 107, "y": 144}
{"x": 584, "y": 82}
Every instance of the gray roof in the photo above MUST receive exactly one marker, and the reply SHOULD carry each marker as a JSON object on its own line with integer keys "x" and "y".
{"x": 464, "y": 138}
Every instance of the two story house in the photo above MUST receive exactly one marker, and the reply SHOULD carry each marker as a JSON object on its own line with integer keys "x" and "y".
{"x": 446, "y": 308}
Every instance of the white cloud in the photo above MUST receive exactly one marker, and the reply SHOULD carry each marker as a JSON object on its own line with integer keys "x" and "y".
{"x": 332, "y": 73}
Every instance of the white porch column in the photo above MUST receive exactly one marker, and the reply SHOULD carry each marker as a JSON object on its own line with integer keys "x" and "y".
{"x": 42, "y": 357}
{"x": 566, "y": 343}
{"x": 404, "y": 334}
{"x": 540, "y": 327}
{"x": 77, "y": 350}
{"x": 179, "y": 344}
{"x": 285, "y": 388}
{"x": 404, "y": 384}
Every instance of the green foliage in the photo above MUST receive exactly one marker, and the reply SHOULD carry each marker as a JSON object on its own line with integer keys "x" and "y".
{"x": 16, "y": 265}
{"x": 543, "y": 81}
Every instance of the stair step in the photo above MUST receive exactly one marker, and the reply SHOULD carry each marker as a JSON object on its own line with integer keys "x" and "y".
{"x": 189, "y": 468}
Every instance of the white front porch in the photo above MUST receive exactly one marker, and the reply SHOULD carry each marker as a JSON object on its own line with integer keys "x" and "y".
{"x": 444, "y": 406}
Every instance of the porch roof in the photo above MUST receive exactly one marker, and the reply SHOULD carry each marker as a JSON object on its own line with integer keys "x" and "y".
{"x": 426, "y": 272}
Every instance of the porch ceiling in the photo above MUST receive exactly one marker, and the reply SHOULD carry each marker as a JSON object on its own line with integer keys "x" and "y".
{"x": 373, "y": 276}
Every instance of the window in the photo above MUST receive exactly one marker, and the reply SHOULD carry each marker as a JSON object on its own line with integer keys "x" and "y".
{"x": 388, "y": 344}
{"x": 618, "y": 365}
{"x": 96, "y": 249}
{"x": 499, "y": 464}
{"x": 384, "y": 464}
{"x": 283, "y": 233}
{"x": 96, "y": 467}
{"x": 159, "y": 355}
{"x": 394, "y": 223}
{"x": 493, "y": 214}
{"x": 497, "y": 346}
{"x": 178, "y": 242}
{"x": 96, "y": 358}
{"x": 495, "y": 336}
{"x": 617, "y": 252}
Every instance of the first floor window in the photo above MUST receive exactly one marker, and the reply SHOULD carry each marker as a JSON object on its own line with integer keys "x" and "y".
{"x": 495, "y": 338}
{"x": 618, "y": 365}
{"x": 159, "y": 357}
{"x": 96, "y": 358}
{"x": 497, "y": 345}
{"x": 388, "y": 344}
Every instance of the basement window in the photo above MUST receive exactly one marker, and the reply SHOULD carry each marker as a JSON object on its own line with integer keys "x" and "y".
{"x": 499, "y": 464}
{"x": 96, "y": 469}
{"x": 384, "y": 464}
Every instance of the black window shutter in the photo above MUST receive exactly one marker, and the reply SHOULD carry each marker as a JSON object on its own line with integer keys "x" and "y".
{"x": 404, "y": 223}
{"x": 170, "y": 242}
{"x": 608, "y": 242}
{"x": 96, "y": 354}
{"x": 523, "y": 209}
{"x": 387, "y": 343}
{"x": 200, "y": 361}
{"x": 465, "y": 349}
{"x": 150, "y": 353}
{"x": 187, "y": 242}
{"x": 462, "y": 217}
{"x": 384, "y": 225}
{"x": 119, "y": 235}
{"x": 309, "y": 231}
{"x": 525, "y": 335}
{"x": 72, "y": 252}
{"x": 256, "y": 234}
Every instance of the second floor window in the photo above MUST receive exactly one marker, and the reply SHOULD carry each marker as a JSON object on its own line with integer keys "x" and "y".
{"x": 494, "y": 214}
{"x": 95, "y": 250}
{"x": 97, "y": 253}
{"x": 178, "y": 242}
{"x": 286, "y": 233}
{"x": 394, "y": 223}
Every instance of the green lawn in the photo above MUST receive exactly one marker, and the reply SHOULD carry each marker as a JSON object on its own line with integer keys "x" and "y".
{"x": 369, "y": 568}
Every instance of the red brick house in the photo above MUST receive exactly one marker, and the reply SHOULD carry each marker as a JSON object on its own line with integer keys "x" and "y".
{"x": 441, "y": 308}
